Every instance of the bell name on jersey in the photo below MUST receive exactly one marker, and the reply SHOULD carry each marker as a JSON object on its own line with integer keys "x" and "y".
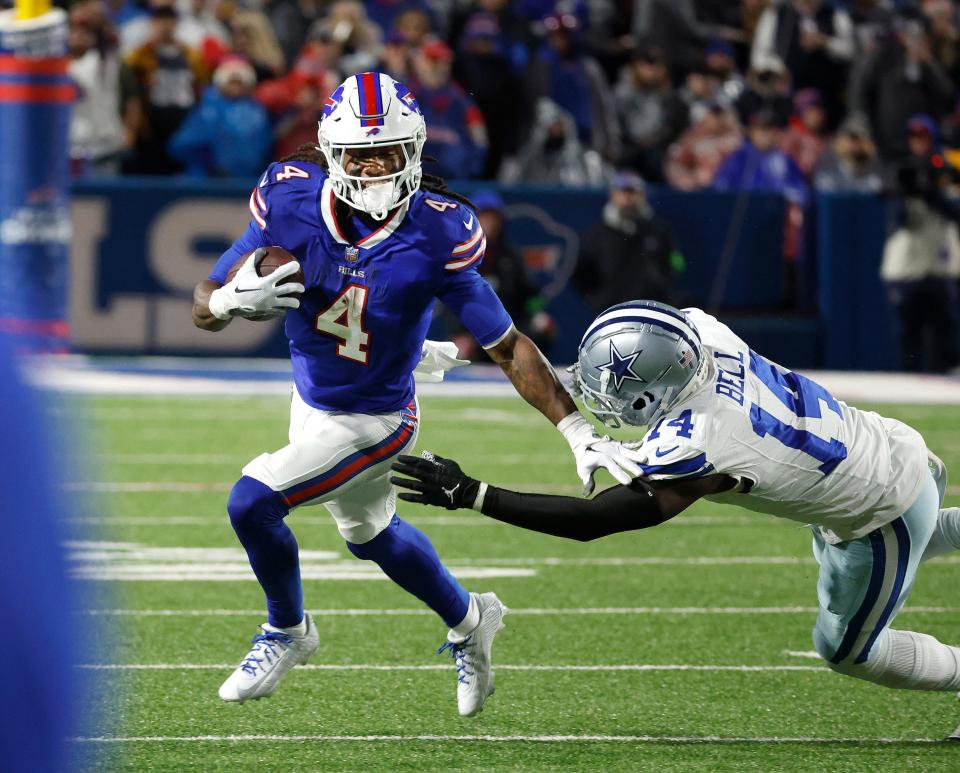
{"x": 795, "y": 450}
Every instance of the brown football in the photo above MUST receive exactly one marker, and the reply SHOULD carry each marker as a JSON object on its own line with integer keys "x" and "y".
{"x": 271, "y": 259}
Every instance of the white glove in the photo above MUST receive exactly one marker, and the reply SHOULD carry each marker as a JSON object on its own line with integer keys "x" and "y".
{"x": 436, "y": 358}
{"x": 591, "y": 451}
{"x": 247, "y": 293}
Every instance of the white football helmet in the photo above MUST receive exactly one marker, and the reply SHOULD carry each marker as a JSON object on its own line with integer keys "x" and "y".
{"x": 364, "y": 111}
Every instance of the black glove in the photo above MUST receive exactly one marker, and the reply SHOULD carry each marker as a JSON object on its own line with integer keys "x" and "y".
{"x": 439, "y": 481}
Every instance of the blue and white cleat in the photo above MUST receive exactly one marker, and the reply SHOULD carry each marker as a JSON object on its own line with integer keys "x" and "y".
{"x": 472, "y": 655}
{"x": 273, "y": 654}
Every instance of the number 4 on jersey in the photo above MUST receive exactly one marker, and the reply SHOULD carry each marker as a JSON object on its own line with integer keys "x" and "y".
{"x": 343, "y": 319}
{"x": 289, "y": 172}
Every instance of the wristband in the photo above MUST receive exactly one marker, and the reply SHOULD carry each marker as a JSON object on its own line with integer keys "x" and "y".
{"x": 576, "y": 429}
{"x": 478, "y": 500}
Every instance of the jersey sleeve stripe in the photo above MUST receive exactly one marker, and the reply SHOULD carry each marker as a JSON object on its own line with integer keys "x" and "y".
{"x": 457, "y": 265}
{"x": 685, "y": 468}
{"x": 260, "y": 202}
{"x": 261, "y": 221}
{"x": 465, "y": 247}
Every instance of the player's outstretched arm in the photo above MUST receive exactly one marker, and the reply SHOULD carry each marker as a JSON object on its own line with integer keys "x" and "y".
{"x": 531, "y": 374}
{"x": 537, "y": 382}
{"x": 441, "y": 482}
{"x": 202, "y": 316}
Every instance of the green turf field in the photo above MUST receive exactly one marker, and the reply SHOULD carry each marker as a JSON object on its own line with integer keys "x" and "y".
{"x": 713, "y": 592}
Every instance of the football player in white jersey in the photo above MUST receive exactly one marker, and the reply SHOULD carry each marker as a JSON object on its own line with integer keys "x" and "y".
{"x": 727, "y": 425}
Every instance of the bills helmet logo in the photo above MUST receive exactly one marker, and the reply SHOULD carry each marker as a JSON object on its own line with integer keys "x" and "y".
{"x": 373, "y": 131}
{"x": 406, "y": 96}
{"x": 332, "y": 103}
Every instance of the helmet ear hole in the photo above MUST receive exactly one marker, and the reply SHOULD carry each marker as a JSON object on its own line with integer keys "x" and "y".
{"x": 643, "y": 401}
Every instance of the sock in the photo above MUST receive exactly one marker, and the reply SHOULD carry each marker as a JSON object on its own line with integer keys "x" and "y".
{"x": 408, "y": 558}
{"x": 294, "y": 630}
{"x": 470, "y": 621}
{"x": 257, "y": 513}
{"x": 911, "y": 661}
{"x": 946, "y": 534}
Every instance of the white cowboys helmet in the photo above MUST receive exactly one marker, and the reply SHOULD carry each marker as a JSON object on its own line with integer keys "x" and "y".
{"x": 637, "y": 361}
{"x": 368, "y": 110}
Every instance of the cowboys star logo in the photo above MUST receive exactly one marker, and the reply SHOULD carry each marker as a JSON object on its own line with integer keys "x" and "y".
{"x": 621, "y": 368}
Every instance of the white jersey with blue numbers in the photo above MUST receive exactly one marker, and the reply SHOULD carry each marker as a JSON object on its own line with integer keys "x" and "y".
{"x": 795, "y": 450}
{"x": 359, "y": 331}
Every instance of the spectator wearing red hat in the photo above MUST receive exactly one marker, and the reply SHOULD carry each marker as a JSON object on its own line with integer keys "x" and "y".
{"x": 806, "y": 138}
{"x": 564, "y": 74}
{"x": 316, "y": 67}
{"x": 228, "y": 133}
{"x": 456, "y": 134}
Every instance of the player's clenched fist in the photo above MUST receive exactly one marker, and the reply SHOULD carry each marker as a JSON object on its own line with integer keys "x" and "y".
{"x": 248, "y": 294}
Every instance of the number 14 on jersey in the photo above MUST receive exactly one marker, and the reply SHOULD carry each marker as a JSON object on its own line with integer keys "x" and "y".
{"x": 343, "y": 319}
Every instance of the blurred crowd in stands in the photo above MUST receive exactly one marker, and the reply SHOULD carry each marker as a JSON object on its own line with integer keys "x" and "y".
{"x": 758, "y": 94}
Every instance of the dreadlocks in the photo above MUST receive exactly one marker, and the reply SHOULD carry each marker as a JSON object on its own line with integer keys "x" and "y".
{"x": 429, "y": 182}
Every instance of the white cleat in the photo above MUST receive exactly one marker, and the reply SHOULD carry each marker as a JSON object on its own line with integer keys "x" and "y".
{"x": 272, "y": 655}
{"x": 472, "y": 655}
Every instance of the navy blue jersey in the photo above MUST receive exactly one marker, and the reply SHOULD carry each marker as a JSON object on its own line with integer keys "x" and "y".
{"x": 359, "y": 331}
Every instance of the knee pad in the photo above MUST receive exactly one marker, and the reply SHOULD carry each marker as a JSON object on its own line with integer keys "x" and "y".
{"x": 252, "y": 503}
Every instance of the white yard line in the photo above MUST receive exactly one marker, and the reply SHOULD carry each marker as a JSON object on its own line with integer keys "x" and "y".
{"x": 529, "y": 611}
{"x": 584, "y": 738}
{"x": 446, "y": 667}
{"x": 424, "y": 520}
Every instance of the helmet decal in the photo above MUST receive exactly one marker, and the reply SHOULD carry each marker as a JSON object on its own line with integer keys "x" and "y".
{"x": 332, "y": 102}
{"x": 406, "y": 96}
{"x": 372, "y": 109}
{"x": 620, "y": 367}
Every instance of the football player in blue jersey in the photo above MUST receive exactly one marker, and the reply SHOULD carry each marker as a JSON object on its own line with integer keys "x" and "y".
{"x": 722, "y": 423}
{"x": 377, "y": 242}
